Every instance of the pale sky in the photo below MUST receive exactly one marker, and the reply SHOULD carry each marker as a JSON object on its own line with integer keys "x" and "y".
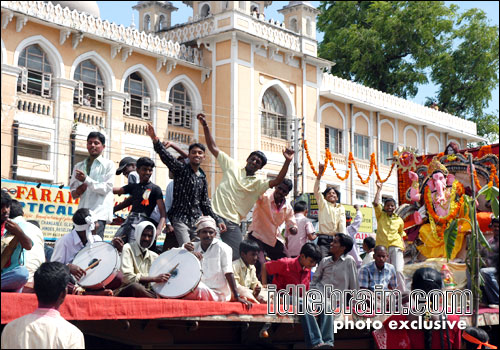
{"x": 121, "y": 13}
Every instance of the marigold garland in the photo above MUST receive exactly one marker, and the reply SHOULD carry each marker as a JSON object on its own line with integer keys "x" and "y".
{"x": 456, "y": 189}
{"x": 476, "y": 181}
{"x": 351, "y": 161}
{"x": 493, "y": 176}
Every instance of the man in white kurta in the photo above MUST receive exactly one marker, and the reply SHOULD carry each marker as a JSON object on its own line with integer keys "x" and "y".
{"x": 92, "y": 181}
{"x": 45, "y": 328}
{"x": 217, "y": 281}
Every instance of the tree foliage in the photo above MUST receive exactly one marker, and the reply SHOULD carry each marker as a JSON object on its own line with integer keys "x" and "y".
{"x": 395, "y": 46}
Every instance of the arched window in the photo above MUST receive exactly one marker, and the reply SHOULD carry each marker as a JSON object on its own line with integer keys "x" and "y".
{"x": 138, "y": 101}
{"x": 205, "y": 10}
{"x": 161, "y": 23}
{"x": 293, "y": 25}
{"x": 36, "y": 74}
{"x": 90, "y": 89}
{"x": 147, "y": 23}
{"x": 273, "y": 120}
{"x": 181, "y": 113}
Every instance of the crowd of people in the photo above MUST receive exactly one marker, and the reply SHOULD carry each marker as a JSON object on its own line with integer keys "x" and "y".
{"x": 237, "y": 266}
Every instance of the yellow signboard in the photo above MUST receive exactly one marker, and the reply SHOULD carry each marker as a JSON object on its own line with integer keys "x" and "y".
{"x": 53, "y": 207}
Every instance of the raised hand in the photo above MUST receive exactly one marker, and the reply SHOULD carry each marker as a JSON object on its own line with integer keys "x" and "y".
{"x": 150, "y": 131}
{"x": 201, "y": 117}
{"x": 288, "y": 154}
{"x": 321, "y": 168}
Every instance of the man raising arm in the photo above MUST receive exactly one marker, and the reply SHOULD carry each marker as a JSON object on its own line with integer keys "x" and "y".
{"x": 239, "y": 188}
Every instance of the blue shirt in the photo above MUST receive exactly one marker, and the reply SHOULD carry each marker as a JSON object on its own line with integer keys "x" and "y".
{"x": 370, "y": 276}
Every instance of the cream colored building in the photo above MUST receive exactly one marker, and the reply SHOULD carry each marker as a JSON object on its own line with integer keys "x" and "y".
{"x": 66, "y": 72}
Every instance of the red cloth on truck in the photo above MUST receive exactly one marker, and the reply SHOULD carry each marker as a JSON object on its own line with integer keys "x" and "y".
{"x": 89, "y": 307}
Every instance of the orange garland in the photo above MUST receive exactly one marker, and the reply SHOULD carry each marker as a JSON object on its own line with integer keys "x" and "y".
{"x": 329, "y": 160}
{"x": 493, "y": 176}
{"x": 476, "y": 181}
{"x": 457, "y": 187}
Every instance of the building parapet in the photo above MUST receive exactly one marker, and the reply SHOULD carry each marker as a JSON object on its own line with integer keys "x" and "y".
{"x": 392, "y": 105}
{"x": 81, "y": 24}
{"x": 269, "y": 30}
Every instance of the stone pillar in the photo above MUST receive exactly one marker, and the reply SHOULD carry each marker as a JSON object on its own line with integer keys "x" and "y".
{"x": 159, "y": 116}
{"x": 63, "y": 90}
{"x": 113, "y": 101}
{"x": 10, "y": 75}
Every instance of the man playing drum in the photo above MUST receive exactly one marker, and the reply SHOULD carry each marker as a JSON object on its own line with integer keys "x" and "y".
{"x": 217, "y": 282}
{"x": 136, "y": 262}
{"x": 68, "y": 246}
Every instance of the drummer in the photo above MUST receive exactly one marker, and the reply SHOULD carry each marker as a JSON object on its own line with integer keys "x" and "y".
{"x": 83, "y": 233}
{"x": 136, "y": 262}
{"x": 217, "y": 281}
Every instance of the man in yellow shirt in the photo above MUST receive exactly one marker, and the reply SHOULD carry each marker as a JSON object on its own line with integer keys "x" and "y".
{"x": 390, "y": 233}
{"x": 239, "y": 188}
{"x": 331, "y": 214}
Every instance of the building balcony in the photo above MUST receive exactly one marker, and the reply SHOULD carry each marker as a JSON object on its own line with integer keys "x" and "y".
{"x": 135, "y": 126}
{"x": 90, "y": 116}
{"x": 35, "y": 104}
{"x": 273, "y": 144}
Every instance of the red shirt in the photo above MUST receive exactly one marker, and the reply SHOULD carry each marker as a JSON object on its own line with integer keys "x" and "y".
{"x": 288, "y": 271}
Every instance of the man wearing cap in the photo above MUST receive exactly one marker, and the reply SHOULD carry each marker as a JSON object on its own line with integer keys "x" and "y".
{"x": 217, "y": 281}
{"x": 127, "y": 168}
{"x": 239, "y": 189}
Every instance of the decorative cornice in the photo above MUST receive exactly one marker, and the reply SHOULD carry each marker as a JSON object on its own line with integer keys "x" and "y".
{"x": 62, "y": 82}
{"x": 11, "y": 70}
{"x": 115, "y": 95}
{"x": 162, "y": 106}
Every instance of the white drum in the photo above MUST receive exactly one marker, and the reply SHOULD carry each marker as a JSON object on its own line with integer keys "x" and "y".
{"x": 185, "y": 270}
{"x": 98, "y": 275}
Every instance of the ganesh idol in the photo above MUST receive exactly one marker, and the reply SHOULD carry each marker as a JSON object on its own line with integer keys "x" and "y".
{"x": 443, "y": 198}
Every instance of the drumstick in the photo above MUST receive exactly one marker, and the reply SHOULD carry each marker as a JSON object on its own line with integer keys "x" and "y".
{"x": 173, "y": 269}
{"x": 93, "y": 265}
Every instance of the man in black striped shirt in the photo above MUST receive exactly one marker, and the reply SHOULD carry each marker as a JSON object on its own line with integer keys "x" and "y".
{"x": 190, "y": 189}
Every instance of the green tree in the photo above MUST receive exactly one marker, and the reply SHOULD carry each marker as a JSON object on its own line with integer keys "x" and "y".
{"x": 395, "y": 46}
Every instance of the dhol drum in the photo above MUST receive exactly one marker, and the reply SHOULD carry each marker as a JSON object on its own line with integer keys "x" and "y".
{"x": 101, "y": 262}
{"x": 185, "y": 270}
